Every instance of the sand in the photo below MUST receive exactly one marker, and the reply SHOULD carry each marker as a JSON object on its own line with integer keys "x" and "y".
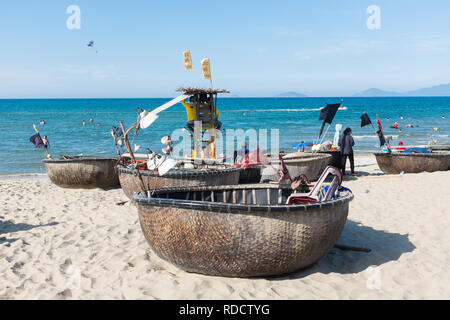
{"x": 80, "y": 244}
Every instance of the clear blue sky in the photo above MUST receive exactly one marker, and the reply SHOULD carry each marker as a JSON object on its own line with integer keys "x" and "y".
{"x": 257, "y": 48}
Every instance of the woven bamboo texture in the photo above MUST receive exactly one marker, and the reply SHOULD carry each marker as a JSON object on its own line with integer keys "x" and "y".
{"x": 83, "y": 173}
{"x": 130, "y": 183}
{"x": 395, "y": 163}
{"x": 311, "y": 165}
{"x": 239, "y": 231}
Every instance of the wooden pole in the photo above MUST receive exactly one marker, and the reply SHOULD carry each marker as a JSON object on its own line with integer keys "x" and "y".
{"x": 388, "y": 146}
{"x": 133, "y": 160}
{"x": 213, "y": 130}
{"x": 323, "y": 137}
{"x": 115, "y": 143}
{"x": 127, "y": 142}
{"x": 213, "y": 116}
{"x": 196, "y": 134}
{"x": 320, "y": 132}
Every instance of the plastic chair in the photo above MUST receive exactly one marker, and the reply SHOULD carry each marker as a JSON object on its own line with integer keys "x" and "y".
{"x": 314, "y": 194}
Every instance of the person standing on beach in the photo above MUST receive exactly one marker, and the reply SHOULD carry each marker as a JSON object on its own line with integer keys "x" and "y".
{"x": 346, "y": 143}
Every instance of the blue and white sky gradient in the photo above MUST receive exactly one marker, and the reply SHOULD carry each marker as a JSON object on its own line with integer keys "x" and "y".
{"x": 257, "y": 48}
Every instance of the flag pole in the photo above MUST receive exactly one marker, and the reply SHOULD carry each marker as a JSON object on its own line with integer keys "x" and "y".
{"x": 320, "y": 132}
{"x": 213, "y": 130}
{"x": 323, "y": 137}
{"x": 388, "y": 146}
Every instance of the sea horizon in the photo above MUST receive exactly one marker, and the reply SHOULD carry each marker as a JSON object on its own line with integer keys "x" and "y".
{"x": 243, "y": 97}
{"x": 296, "y": 120}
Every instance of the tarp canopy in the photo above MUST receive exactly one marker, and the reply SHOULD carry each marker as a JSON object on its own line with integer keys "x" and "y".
{"x": 416, "y": 150}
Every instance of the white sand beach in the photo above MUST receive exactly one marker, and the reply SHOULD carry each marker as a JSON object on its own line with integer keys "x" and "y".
{"x": 80, "y": 244}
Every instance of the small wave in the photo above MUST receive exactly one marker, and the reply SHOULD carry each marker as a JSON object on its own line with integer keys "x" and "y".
{"x": 365, "y": 137}
{"x": 286, "y": 110}
{"x": 371, "y": 137}
{"x": 271, "y": 110}
{"x": 283, "y": 110}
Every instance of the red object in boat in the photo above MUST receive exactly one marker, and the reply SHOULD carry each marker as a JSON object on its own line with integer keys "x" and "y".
{"x": 304, "y": 199}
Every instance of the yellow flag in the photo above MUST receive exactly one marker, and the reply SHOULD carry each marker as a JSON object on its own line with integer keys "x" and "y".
{"x": 206, "y": 68}
{"x": 188, "y": 60}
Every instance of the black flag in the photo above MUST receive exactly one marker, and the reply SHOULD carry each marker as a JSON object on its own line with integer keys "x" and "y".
{"x": 381, "y": 137}
{"x": 327, "y": 114}
{"x": 37, "y": 140}
{"x": 365, "y": 120}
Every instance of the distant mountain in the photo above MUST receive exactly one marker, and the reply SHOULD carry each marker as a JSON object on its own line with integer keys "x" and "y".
{"x": 436, "y": 91}
{"x": 291, "y": 94}
{"x": 374, "y": 92}
{"x": 441, "y": 90}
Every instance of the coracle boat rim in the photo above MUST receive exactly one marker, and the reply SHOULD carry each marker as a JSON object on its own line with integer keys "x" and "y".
{"x": 76, "y": 159}
{"x": 432, "y": 154}
{"x": 178, "y": 172}
{"x": 233, "y": 207}
{"x": 305, "y": 159}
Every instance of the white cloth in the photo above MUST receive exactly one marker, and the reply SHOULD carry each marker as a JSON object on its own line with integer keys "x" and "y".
{"x": 337, "y": 134}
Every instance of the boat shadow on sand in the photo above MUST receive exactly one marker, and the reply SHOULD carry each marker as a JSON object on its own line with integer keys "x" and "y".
{"x": 9, "y": 227}
{"x": 385, "y": 247}
{"x": 117, "y": 186}
{"x": 360, "y": 174}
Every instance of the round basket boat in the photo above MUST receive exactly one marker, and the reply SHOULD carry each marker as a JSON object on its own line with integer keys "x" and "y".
{"x": 82, "y": 173}
{"x": 395, "y": 163}
{"x": 239, "y": 231}
{"x": 309, "y": 164}
{"x": 218, "y": 175}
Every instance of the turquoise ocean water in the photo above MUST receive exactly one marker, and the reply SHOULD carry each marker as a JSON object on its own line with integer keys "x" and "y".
{"x": 296, "y": 119}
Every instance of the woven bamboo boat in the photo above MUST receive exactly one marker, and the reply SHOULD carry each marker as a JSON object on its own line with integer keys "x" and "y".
{"x": 217, "y": 175}
{"x": 239, "y": 231}
{"x": 397, "y": 162}
{"x": 82, "y": 172}
{"x": 309, "y": 164}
